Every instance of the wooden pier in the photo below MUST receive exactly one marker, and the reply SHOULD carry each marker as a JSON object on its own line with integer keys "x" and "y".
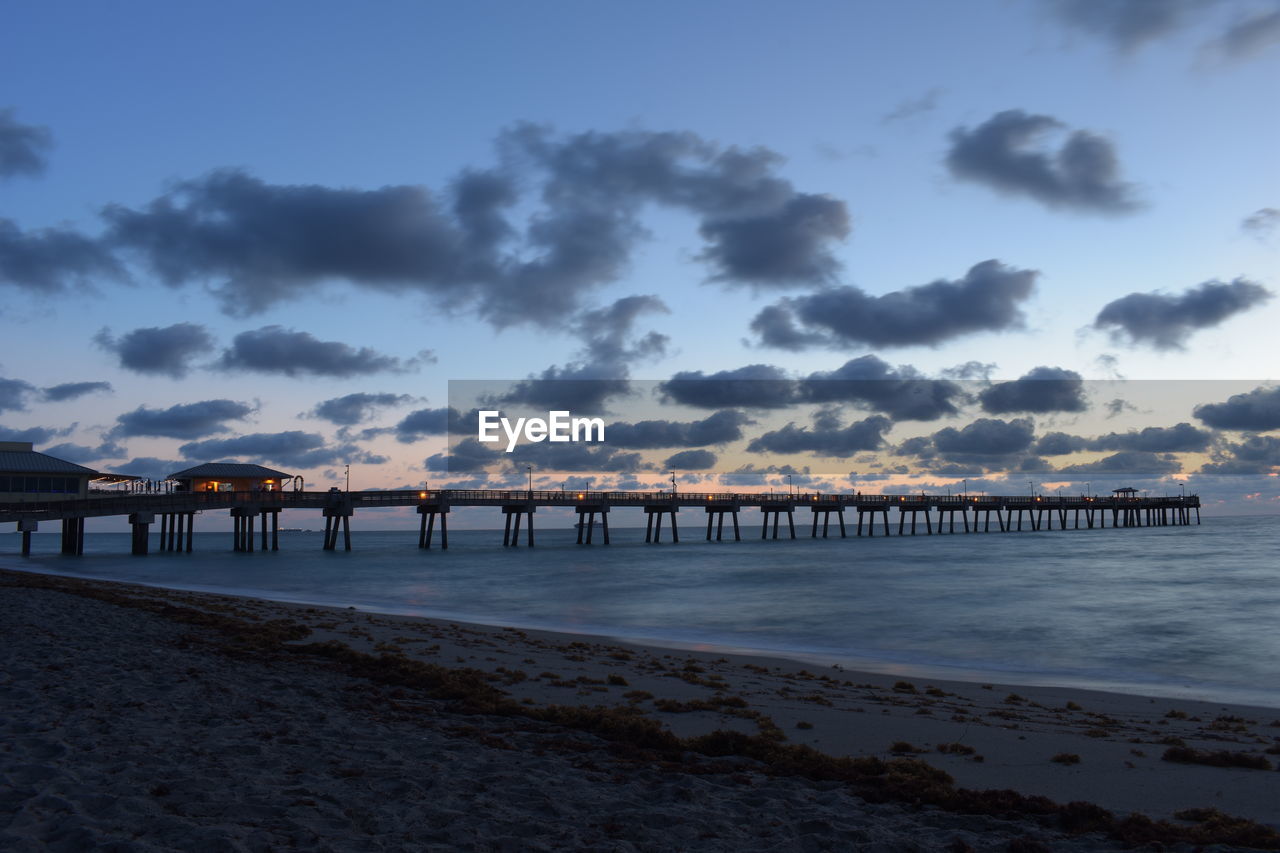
{"x": 177, "y": 513}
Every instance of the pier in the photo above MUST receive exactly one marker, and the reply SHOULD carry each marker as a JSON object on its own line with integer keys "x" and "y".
{"x": 176, "y": 513}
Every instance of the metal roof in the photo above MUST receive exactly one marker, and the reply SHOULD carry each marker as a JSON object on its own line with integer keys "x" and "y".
{"x": 229, "y": 470}
{"x": 32, "y": 462}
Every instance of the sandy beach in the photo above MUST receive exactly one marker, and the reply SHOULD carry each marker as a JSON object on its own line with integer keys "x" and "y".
{"x": 135, "y": 718}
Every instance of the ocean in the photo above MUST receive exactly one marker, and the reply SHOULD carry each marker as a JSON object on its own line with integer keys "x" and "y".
{"x": 1164, "y": 611}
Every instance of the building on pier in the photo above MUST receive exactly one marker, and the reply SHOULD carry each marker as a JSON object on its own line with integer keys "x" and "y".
{"x": 27, "y": 475}
{"x": 229, "y": 477}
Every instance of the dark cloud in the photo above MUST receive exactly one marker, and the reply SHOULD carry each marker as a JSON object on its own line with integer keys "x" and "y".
{"x": 353, "y": 409}
{"x": 1041, "y": 390}
{"x": 72, "y": 390}
{"x": 22, "y": 146}
{"x": 825, "y": 439}
{"x": 35, "y": 435}
{"x": 750, "y": 475}
{"x": 466, "y": 456}
{"x": 1128, "y": 24}
{"x": 984, "y": 439}
{"x": 13, "y": 394}
{"x": 151, "y": 467}
{"x": 51, "y": 260}
{"x": 1082, "y": 175}
{"x": 185, "y": 420}
{"x": 578, "y": 388}
{"x": 986, "y": 299}
{"x": 1126, "y": 463}
{"x": 274, "y": 349}
{"x": 571, "y": 456}
{"x": 159, "y": 350}
{"x": 261, "y": 244}
{"x": 1262, "y": 223}
{"x": 690, "y": 460}
{"x": 1256, "y": 411}
{"x": 784, "y": 247}
{"x": 431, "y": 422}
{"x": 1180, "y": 437}
{"x": 755, "y": 386}
{"x": 81, "y": 454}
{"x": 1059, "y": 444}
{"x": 1250, "y": 36}
{"x": 902, "y": 393}
{"x": 1166, "y": 321}
{"x": 606, "y": 332}
{"x": 291, "y": 448}
{"x": 1257, "y": 454}
{"x": 912, "y": 107}
{"x": 1118, "y": 406}
{"x": 718, "y": 428}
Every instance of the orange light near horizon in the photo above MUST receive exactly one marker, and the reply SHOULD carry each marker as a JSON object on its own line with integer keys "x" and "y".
{"x": 422, "y": 494}
{"x": 579, "y": 495}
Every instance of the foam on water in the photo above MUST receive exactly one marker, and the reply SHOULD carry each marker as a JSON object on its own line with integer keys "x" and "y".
{"x": 1175, "y": 611}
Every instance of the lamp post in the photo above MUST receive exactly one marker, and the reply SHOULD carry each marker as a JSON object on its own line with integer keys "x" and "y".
{"x": 1088, "y": 492}
{"x": 1032, "y": 485}
{"x": 529, "y": 468}
{"x": 673, "y": 486}
{"x": 1183, "y": 487}
{"x": 790, "y": 491}
{"x": 348, "y": 475}
{"x": 966, "y": 488}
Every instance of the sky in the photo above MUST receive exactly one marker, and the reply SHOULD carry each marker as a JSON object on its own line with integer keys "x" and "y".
{"x": 998, "y": 245}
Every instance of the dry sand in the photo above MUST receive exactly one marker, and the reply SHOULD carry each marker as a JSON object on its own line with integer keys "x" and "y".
{"x": 133, "y": 718}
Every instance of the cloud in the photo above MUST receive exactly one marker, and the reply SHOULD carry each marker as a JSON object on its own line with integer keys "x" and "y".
{"x": 1059, "y": 444}
{"x": 1041, "y": 390}
{"x": 545, "y": 456}
{"x": 902, "y": 393}
{"x": 1180, "y": 437}
{"x": 1250, "y": 36}
{"x": 690, "y": 460}
{"x": 912, "y": 107}
{"x": 1128, "y": 24}
{"x": 465, "y": 456}
{"x": 1256, "y": 411}
{"x": 151, "y": 467}
{"x": 985, "y": 440}
{"x": 274, "y": 349}
{"x": 784, "y": 247}
{"x": 262, "y": 244}
{"x": 578, "y": 388}
{"x": 825, "y": 439}
{"x": 1166, "y": 321}
{"x": 353, "y": 409}
{"x": 1257, "y": 454}
{"x": 35, "y": 435}
{"x": 986, "y": 299}
{"x": 51, "y": 260}
{"x": 606, "y": 332}
{"x": 1082, "y": 175}
{"x": 1262, "y": 223}
{"x": 717, "y": 428}
{"x": 156, "y": 350}
{"x": 22, "y": 146}
{"x": 73, "y": 390}
{"x": 430, "y": 422}
{"x": 81, "y": 454}
{"x": 1127, "y": 463}
{"x": 185, "y": 420}
{"x": 13, "y": 394}
{"x": 292, "y": 447}
{"x": 755, "y": 386}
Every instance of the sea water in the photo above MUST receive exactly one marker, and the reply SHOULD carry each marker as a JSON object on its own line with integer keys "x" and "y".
{"x": 1184, "y": 611}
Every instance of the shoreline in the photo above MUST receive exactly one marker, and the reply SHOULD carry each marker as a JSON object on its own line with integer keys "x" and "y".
{"x": 1065, "y": 744}
{"x": 1263, "y": 701}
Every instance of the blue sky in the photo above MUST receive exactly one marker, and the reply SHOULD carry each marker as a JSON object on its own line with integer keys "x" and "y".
{"x": 891, "y": 146}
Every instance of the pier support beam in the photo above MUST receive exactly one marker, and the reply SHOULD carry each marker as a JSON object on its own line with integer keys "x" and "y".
{"x": 777, "y": 509}
{"x": 427, "y": 528}
{"x": 26, "y": 527}
{"x": 335, "y": 518}
{"x": 589, "y": 511}
{"x": 826, "y": 508}
{"x": 511, "y": 533}
{"x": 716, "y": 512}
{"x": 883, "y": 512}
{"x": 73, "y": 536}
{"x": 653, "y": 522}
{"x": 141, "y": 523}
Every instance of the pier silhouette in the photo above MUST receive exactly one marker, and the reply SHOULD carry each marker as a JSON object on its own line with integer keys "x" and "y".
{"x": 256, "y": 514}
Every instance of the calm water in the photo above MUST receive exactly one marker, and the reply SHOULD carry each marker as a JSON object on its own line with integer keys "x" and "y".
{"x": 1174, "y": 611}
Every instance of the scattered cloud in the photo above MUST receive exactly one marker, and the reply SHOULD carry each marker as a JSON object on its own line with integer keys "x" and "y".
{"x": 158, "y": 350}
{"x": 22, "y": 146}
{"x": 1256, "y": 411}
{"x": 986, "y": 299}
{"x": 13, "y": 394}
{"x": 73, "y": 390}
{"x": 691, "y": 460}
{"x": 292, "y": 447}
{"x": 185, "y": 420}
{"x": 274, "y": 349}
{"x": 35, "y": 435}
{"x": 755, "y": 386}
{"x": 1002, "y": 154}
{"x": 912, "y": 107}
{"x": 353, "y": 409}
{"x": 1262, "y": 223}
{"x": 902, "y": 393}
{"x": 51, "y": 260}
{"x": 826, "y": 438}
{"x": 717, "y": 428}
{"x": 1040, "y": 391}
{"x": 1166, "y": 321}
{"x": 1249, "y": 36}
